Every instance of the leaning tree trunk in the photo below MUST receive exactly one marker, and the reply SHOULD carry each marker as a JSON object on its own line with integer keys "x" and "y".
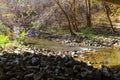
{"x": 108, "y": 16}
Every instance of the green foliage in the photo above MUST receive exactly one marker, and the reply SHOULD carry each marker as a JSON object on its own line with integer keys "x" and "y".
{"x": 4, "y": 40}
{"x": 21, "y": 38}
{"x": 93, "y": 1}
{"x": 88, "y": 32}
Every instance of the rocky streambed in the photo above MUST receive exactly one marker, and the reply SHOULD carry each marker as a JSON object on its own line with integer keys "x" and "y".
{"x": 80, "y": 40}
{"x": 32, "y": 63}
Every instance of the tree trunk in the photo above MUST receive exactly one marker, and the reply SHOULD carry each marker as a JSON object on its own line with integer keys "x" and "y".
{"x": 108, "y": 16}
{"x": 67, "y": 17}
{"x": 75, "y": 22}
{"x": 73, "y": 15}
{"x": 88, "y": 12}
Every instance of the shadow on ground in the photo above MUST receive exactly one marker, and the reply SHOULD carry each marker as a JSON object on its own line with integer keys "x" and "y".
{"x": 106, "y": 31}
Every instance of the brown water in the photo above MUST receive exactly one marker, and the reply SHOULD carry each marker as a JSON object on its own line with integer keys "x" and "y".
{"x": 104, "y": 56}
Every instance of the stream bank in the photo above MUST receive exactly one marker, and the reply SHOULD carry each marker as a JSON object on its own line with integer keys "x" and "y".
{"x": 83, "y": 39}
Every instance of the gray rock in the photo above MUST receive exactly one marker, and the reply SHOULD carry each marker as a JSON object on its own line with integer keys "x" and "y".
{"x": 28, "y": 75}
{"x": 38, "y": 76}
{"x": 106, "y": 71}
{"x": 33, "y": 67}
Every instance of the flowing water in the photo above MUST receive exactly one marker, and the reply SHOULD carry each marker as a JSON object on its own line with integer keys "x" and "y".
{"x": 103, "y": 56}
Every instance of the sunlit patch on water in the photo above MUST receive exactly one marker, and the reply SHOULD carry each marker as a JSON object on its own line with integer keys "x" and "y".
{"x": 107, "y": 56}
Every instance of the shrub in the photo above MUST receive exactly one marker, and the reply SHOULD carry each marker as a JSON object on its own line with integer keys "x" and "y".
{"x": 21, "y": 38}
{"x": 88, "y": 31}
{"x": 4, "y": 40}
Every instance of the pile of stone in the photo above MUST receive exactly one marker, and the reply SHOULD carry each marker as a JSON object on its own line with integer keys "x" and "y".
{"x": 37, "y": 64}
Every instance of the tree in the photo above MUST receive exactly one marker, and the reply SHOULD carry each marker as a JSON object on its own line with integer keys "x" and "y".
{"x": 73, "y": 16}
{"x": 88, "y": 12}
{"x": 67, "y": 17}
{"x": 106, "y": 7}
{"x": 19, "y": 14}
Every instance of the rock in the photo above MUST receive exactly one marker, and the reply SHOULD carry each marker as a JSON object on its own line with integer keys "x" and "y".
{"x": 60, "y": 78}
{"x": 117, "y": 74}
{"x": 65, "y": 57}
{"x": 69, "y": 64}
{"x": 77, "y": 67}
{"x": 89, "y": 63}
{"x": 13, "y": 79}
{"x": 16, "y": 60}
{"x": 73, "y": 54}
{"x": 34, "y": 59}
{"x": 49, "y": 65}
{"x": 1, "y": 54}
{"x": 33, "y": 67}
{"x": 83, "y": 74}
{"x": 85, "y": 71}
{"x": 17, "y": 52}
{"x": 38, "y": 76}
{"x": 95, "y": 75}
{"x": 28, "y": 76}
{"x": 106, "y": 71}
{"x": 3, "y": 59}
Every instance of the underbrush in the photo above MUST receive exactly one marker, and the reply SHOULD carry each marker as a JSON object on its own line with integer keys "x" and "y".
{"x": 58, "y": 31}
{"x": 21, "y": 38}
{"x": 8, "y": 39}
{"x": 3, "y": 41}
{"x": 97, "y": 33}
{"x": 90, "y": 33}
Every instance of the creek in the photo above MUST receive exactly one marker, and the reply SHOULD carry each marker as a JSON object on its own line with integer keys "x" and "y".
{"x": 96, "y": 56}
